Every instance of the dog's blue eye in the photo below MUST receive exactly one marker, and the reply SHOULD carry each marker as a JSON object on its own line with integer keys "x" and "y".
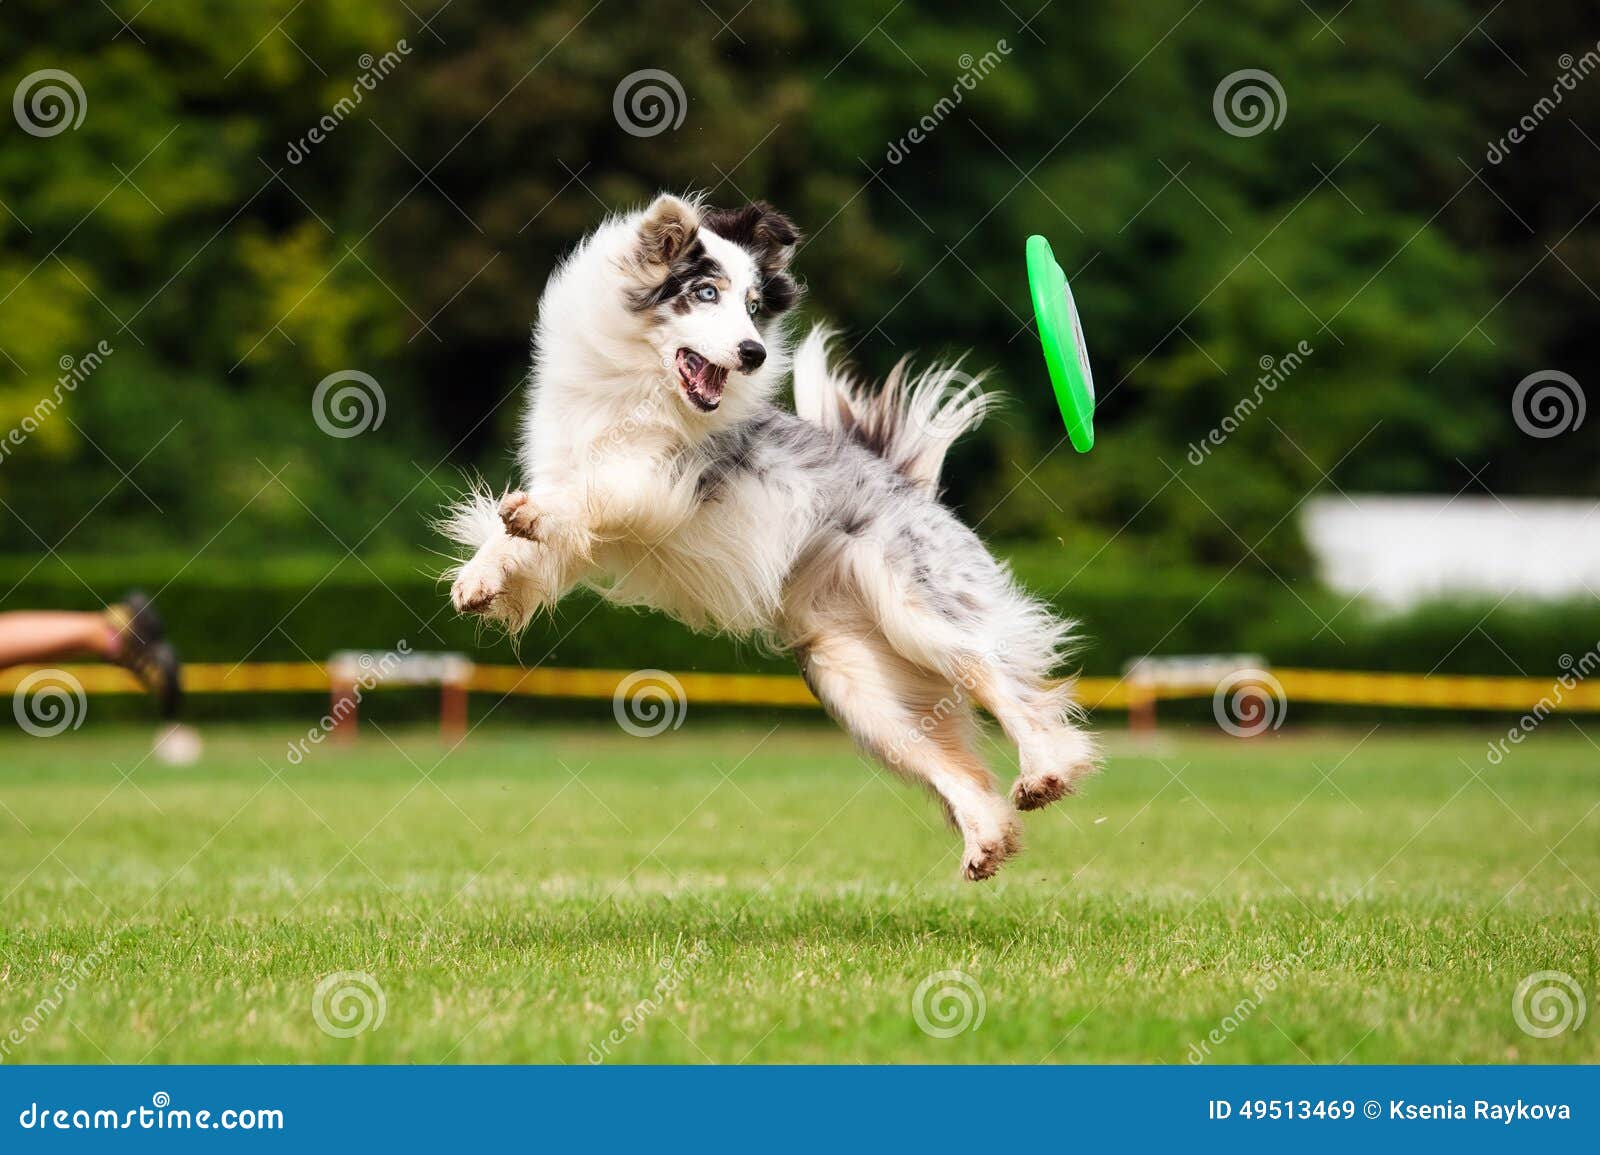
{"x": 706, "y": 292}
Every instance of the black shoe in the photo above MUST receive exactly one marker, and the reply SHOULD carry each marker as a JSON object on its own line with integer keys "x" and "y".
{"x": 143, "y": 648}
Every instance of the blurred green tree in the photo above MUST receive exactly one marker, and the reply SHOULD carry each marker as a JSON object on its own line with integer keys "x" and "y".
{"x": 233, "y": 259}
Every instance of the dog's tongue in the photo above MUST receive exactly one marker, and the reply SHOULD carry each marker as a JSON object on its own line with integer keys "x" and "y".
{"x": 708, "y": 382}
{"x": 705, "y": 380}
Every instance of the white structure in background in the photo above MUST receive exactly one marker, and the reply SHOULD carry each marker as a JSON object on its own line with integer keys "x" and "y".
{"x": 1399, "y": 551}
{"x": 353, "y": 673}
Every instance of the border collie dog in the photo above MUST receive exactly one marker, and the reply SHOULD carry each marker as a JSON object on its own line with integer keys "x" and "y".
{"x": 659, "y": 471}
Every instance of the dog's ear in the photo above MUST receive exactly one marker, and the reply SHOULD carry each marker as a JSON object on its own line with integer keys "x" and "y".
{"x": 770, "y": 237}
{"x": 668, "y": 226}
{"x": 759, "y": 227}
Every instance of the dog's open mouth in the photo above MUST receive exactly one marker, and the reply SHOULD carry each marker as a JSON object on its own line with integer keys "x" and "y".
{"x": 702, "y": 380}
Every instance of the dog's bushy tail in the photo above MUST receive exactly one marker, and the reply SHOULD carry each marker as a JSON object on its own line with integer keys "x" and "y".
{"x": 911, "y": 422}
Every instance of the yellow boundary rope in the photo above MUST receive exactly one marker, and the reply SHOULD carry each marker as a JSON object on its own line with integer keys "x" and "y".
{"x": 1344, "y": 687}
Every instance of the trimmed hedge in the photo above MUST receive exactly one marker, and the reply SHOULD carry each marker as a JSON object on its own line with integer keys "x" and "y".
{"x": 304, "y": 608}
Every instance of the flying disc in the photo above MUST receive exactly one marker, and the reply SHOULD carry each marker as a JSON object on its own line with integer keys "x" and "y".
{"x": 1061, "y": 334}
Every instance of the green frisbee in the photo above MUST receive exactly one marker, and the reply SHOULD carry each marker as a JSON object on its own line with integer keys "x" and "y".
{"x": 1061, "y": 334}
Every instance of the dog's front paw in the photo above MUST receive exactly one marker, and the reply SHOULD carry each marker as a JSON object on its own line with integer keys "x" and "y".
{"x": 518, "y": 515}
{"x": 475, "y": 589}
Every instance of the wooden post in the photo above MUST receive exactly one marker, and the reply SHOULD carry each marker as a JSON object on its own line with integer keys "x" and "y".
{"x": 1256, "y": 709}
{"x": 1141, "y": 709}
{"x": 343, "y": 715}
{"x": 452, "y": 711}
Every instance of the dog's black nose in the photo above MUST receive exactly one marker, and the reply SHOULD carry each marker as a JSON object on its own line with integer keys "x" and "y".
{"x": 752, "y": 355}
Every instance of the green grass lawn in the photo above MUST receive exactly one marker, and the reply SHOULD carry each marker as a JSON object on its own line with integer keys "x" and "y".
{"x": 740, "y": 893}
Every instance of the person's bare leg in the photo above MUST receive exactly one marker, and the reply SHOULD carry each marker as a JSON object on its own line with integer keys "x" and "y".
{"x": 45, "y": 635}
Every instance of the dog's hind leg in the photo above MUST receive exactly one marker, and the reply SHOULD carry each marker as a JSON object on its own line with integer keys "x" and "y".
{"x": 1038, "y": 715}
{"x": 918, "y": 725}
{"x": 973, "y": 627}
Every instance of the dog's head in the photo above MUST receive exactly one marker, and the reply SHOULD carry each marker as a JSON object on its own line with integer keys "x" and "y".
{"x": 709, "y": 285}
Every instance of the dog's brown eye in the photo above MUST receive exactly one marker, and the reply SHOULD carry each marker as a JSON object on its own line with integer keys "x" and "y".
{"x": 754, "y": 307}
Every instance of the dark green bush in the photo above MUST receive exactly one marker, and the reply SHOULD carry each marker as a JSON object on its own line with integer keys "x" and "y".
{"x": 304, "y": 608}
